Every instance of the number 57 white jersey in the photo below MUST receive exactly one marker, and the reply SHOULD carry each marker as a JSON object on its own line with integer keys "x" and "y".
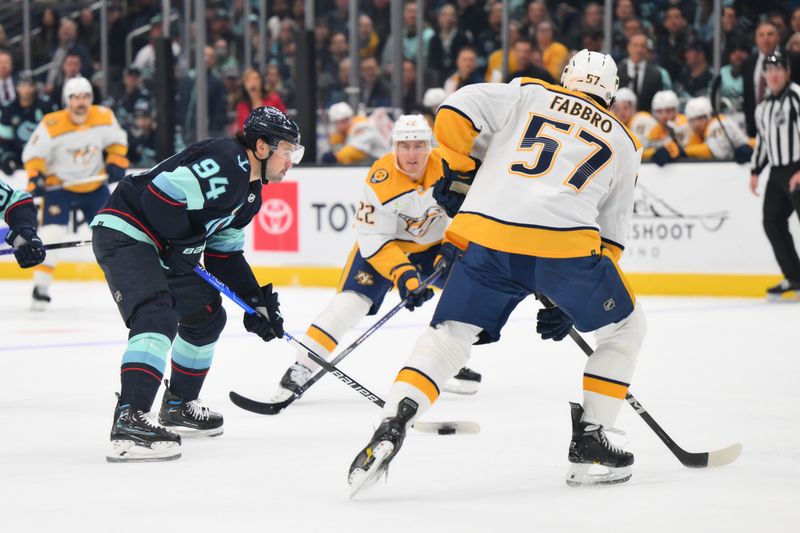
{"x": 558, "y": 172}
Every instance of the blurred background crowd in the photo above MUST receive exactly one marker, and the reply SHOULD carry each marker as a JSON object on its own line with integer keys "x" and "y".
{"x": 659, "y": 45}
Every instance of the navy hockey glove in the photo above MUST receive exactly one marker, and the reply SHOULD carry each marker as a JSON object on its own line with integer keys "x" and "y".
{"x": 28, "y": 247}
{"x": 553, "y": 323}
{"x": 8, "y": 163}
{"x": 452, "y": 188}
{"x": 448, "y": 254}
{"x": 267, "y": 323}
{"x": 328, "y": 157}
{"x": 115, "y": 173}
{"x": 182, "y": 255}
{"x": 409, "y": 286}
{"x": 37, "y": 185}
{"x": 742, "y": 154}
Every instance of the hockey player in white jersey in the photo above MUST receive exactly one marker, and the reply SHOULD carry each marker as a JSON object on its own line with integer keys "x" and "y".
{"x": 68, "y": 158}
{"x": 355, "y": 139}
{"x": 400, "y": 230}
{"x": 546, "y": 211}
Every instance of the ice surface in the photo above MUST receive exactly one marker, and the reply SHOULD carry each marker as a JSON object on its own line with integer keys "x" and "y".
{"x": 712, "y": 372}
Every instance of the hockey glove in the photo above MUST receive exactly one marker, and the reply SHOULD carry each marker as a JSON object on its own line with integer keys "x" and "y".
{"x": 267, "y": 323}
{"x": 28, "y": 247}
{"x": 452, "y": 188}
{"x": 8, "y": 163}
{"x": 115, "y": 173}
{"x": 742, "y": 154}
{"x": 448, "y": 254}
{"x": 553, "y": 323}
{"x": 410, "y": 290}
{"x": 37, "y": 185}
{"x": 182, "y": 255}
{"x": 328, "y": 157}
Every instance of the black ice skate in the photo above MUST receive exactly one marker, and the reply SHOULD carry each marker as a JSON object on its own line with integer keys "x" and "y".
{"x": 370, "y": 464}
{"x": 189, "y": 419}
{"x": 293, "y": 379}
{"x": 465, "y": 382}
{"x": 785, "y": 291}
{"x": 40, "y": 300}
{"x": 135, "y": 438}
{"x": 590, "y": 450}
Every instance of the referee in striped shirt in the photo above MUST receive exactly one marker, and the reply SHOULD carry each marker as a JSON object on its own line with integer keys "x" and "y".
{"x": 778, "y": 145}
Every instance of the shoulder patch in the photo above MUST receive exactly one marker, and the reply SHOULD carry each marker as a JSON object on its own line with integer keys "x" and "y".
{"x": 379, "y": 175}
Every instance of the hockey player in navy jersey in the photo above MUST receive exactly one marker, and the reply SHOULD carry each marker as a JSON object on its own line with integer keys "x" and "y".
{"x": 17, "y": 210}
{"x": 149, "y": 237}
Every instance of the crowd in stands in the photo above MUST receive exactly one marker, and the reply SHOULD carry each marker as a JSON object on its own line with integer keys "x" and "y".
{"x": 659, "y": 45}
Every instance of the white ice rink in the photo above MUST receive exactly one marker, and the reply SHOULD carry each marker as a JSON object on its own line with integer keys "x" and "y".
{"x": 712, "y": 372}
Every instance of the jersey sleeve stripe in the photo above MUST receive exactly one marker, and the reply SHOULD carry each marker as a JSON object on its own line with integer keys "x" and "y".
{"x": 160, "y": 197}
{"x": 456, "y": 134}
{"x": 181, "y": 185}
{"x": 458, "y": 111}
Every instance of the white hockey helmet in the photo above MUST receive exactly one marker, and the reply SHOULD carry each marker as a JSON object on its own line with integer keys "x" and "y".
{"x": 592, "y": 73}
{"x": 340, "y": 111}
{"x": 626, "y": 95}
{"x": 77, "y": 85}
{"x": 698, "y": 107}
{"x": 411, "y": 128}
{"x": 433, "y": 98}
{"x": 665, "y": 100}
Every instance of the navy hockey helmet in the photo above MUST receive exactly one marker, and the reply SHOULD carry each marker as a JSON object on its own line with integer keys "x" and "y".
{"x": 273, "y": 126}
{"x": 776, "y": 59}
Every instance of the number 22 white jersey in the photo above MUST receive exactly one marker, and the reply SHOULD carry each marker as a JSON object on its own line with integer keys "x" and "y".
{"x": 558, "y": 172}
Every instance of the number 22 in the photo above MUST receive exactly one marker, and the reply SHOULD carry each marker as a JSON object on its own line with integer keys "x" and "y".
{"x": 534, "y": 135}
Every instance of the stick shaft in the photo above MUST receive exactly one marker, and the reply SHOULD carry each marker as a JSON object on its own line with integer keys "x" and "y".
{"x": 55, "y": 246}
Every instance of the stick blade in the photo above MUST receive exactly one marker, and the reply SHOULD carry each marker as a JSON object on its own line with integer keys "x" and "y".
{"x": 725, "y": 456}
{"x": 261, "y": 408}
{"x": 448, "y": 428}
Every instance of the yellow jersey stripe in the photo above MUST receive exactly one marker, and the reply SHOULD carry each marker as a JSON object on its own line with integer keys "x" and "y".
{"x": 456, "y": 134}
{"x": 605, "y": 386}
{"x": 322, "y": 337}
{"x": 347, "y": 267}
{"x": 418, "y": 379}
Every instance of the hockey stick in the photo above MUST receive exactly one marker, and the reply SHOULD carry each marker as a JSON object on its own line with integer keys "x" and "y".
{"x": 719, "y": 457}
{"x": 82, "y": 181}
{"x": 267, "y": 408}
{"x": 56, "y": 246}
{"x": 442, "y": 428}
{"x": 716, "y": 86}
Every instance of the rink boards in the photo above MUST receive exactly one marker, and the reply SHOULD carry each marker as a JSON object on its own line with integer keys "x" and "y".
{"x": 696, "y": 230}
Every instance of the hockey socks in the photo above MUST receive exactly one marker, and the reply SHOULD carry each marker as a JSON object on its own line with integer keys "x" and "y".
{"x": 143, "y": 368}
{"x": 190, "y": 365}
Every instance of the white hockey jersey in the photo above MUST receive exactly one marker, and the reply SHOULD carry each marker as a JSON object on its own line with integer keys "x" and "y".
{"x": 64, "y": 151}
{"x": 557, "y": 176}
{"x": 398, "y": 216}
{"x": 715, "y": 144}
{"x": 367, "y": 140}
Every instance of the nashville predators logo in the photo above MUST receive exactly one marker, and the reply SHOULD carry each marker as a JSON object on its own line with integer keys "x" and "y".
{"x": 418, "y": 227}
{"x": 54, "y": 210}
{"x": 363, "y": 278}
{"x": 379, "y": 176}
{"x": 85, "y": 155}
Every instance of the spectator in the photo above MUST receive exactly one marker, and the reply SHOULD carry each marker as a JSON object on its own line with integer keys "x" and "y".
{"x": 71, "y": 68}
{"x": 630, "y": 27}
{"x": 374, "y": 92}
{"x": 591, "y": 22}
{"x": 446, "y": 43}
{"x": 89, "y": 34}
{"x": 592, "y": 41}
{"x": 284, "y": 47}
{"x": 471, "y": 18}
{"x": 793, "y": 44}
{"x": 491, "y": 38}
{"x": 254, "y": 94}
{"x": 778, "y": 19}
{"x": 409, "y": 87}
{"x": 7, "y": 92}
{"x": 338, "y": 18}
{"x": 134, "y": 93}
{"x": 15, "y": 57}
{"x": 225, "y": 61}
{"x": 554, "y": 54}
{"x": 731, "y": 26}
{"x": 672, "y": 41}
{"x": 638, "y": 74}
{"x": 466, "y": 71}
{"x": 755, "y": 84}
{"x": 410, "y": 37}
{"x": 142, "y": 137}
{"x": 67, "y": 43}
{"x": 216, "y": 98}
{"x": 116, "y": 49}
{"x": 337, "y": 52}
{"x": 334, "y": 91}
{"x": 696, "y": 77}
{"x": 274, "y": 83}
{"x": 145, "y": 59}
{"x": 379, "y": 12}
{"x": 730, "y": 80}
{"x": 231, "y": 77}
{"x": 794, "y": 22}
{"x": 367, "y": 38}
{"x": 536, "y": 13}
{"x": 494, "y": 64}
{"x": 47, "y": 41}
{"x": 666, "y": 80}
{"x": 523, "y": 57}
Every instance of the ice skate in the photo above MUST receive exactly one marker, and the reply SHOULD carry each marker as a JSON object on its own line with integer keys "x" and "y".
{"x": 785, "y": 291}
{"x": 594, "y": 460}
{"x": 189, "y": 419}
{"x": 373, "y": 461}
{"x": 465, "y": 382}
{"x": 136, "y": 438}
{"x": 293, "y": 379}
{"x": 40, "y": 300}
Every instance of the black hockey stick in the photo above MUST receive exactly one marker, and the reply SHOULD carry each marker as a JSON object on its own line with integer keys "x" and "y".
{"x": 716, "y": 85}
{"x": 56, "y": 246}
{"x": 443, "y": 428}
{"x": 719, "y": 457}
{"x": 273, "y": 408}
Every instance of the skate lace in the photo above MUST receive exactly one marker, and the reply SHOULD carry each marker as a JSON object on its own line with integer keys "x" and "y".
{"x": 607, "y": 444}
{"x": 147, "y": 421}
{"x": 198, "y": 411}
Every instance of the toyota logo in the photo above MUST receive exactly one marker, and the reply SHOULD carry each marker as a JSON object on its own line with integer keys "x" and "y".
{"x": 275, "y": 216}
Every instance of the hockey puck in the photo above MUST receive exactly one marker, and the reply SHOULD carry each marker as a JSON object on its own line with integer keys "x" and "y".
{"x": 447, "y": 430}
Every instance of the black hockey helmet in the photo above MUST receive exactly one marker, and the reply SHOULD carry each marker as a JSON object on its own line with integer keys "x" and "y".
{"x": 776, "y": 59}
{"x": 273, "y": 126}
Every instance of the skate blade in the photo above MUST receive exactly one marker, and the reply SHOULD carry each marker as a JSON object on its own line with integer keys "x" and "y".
{"x": 589, "y": 475}
{"x": 39, "y": 306}
{"x": 126, "y": 451}
{"x": 361, "y": 479}
{"x": 790, "y": 296}
{"x": 191, "y": 433}
{"x": 460, "y": 386}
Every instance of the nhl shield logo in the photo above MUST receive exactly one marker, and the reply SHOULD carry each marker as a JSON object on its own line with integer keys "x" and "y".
{"x": 363, "y": 278}
{"x": 609, "y": 304}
